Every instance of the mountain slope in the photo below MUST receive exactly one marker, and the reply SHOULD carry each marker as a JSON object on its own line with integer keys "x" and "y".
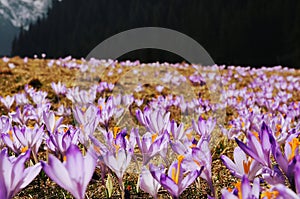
{"x": 23, "y": 12}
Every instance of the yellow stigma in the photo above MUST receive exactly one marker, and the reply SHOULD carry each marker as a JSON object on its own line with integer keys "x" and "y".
{"x": 100, "y": 107}
{"x": 269, "y": 194}
{"x": 83, "y": 109}
{"x": 243, "y": 124}
{"x": 278, "y": 129}
{"x": 176, "y": 172}
{"x": 66, "y": 130}
{"x": 64, "y": 158}
{"x": 294, "y": 144}
{"x": 24, "y": 149}
{"x": 256, "y": 135}
{"x": 10, "y": 133}
{"x": 116, "y": 130}
{"x": 117, "y": 147}
{"x": 154, "y": 136}
{"x": 238, "y": 187}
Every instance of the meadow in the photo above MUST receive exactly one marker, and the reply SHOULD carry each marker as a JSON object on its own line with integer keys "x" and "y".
{"x": 76, "y": 128}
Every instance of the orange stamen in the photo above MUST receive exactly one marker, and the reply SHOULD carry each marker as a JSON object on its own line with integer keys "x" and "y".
{"x": 154, "y": 136}
{"x": 256, "y": 135}
{"x": 269, "y": 194}
{"x": 116, "y": 130}
{"x": 294, "y": 144}
{"x": 24, "y": 149}
{"x": 247, "y": 164}
{"x": 10, "y": 133}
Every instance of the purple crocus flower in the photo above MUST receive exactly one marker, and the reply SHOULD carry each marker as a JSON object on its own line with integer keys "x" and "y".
{"x": 107, "y": 110}
{"x": 178, "y": 131}
{"x": 13, "y": 175}
{"x": 63, "y": 111}
{"x": 152, "y": 144}
{"x": 119, "y": 159}
{"x": 279, "y": 191}
{"x": 85, "y": 115}
{"x": 273, "y": 176}
{"x": 51, "y": 122}
{"x": 62, "y": 139}
{"x": 288, "y": 160}
{"x": 11, "y": 141}
{"x": 30, "y": 138}
{"x": 243, "y": 190}
{"x": 5, "y": 124}
{"x": 7, "y": 101}
{"x": 204, "y": 127}
{"x": 39, "y": 97}
{"x": 59, "y": 88}
{"x": 154, "y": 120}
{"x": 242, "y": 164}
{"x": 21, "y": 99}
{"x": 74, "y": 173}
{"x": 177, "y": 180}
{"x": 148, "y": 183}
{"x": 22, "y": 116}
{"x": 259, "y": 145}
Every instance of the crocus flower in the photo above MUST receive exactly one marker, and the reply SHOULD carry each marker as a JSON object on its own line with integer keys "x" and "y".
{"x": 178, "y": 131}
{"x": 259, "y": 145}
{"x": 279, "y": 191}
{"x": 108, "y": 110}
{"x": 243, "y": 190}
{"x": 81, "y": 97}
{"x": 74, "y": 173}
{"x": 85, "y": 115}
{"x": 63, "y": 111}
{"x": 119, "y": 159}
{"x": 7, "y": 101}
{"x": 11, "y": 141}
{"x": 155, "y": 121}
{"x": 62, "y": 139}
{"x": 148, "y": 183}
{"x": 39, "y": 97}
{"x": 21, "y": 116}
{"x": 59, "y": 88}
{"x": 204, "y": 127}
{"x": 273, "y": 176}
{"x": 5, "y": 124}
{"x": 13, "y": 175}
{"x": 242, "y": 165}
{"x": 30, "y": 138}
{"x": 289, "y": 158}
{"x": 176, "y": 181}
{"x": 21, "y": 99}
{"x": 152, "y": 144}
{"x": 51, "y": 121}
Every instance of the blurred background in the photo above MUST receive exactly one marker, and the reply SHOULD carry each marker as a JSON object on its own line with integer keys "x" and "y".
{"x": 233, "y": 32}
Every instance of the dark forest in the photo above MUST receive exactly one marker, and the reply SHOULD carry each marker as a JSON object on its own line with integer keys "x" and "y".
{"x": 256, "y": 32}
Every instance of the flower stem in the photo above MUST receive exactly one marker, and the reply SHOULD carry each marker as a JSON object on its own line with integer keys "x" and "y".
{"x": 122, "y": 188}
